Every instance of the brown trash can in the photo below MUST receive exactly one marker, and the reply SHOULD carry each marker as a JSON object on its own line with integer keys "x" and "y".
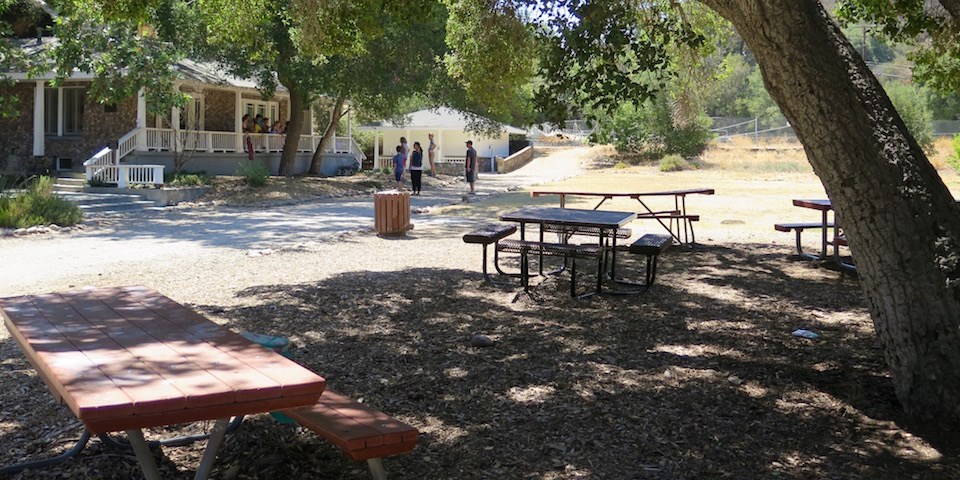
{"x": 391, "y": 212}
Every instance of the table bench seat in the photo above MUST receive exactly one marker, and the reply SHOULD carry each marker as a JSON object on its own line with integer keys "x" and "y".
{"x": 651, "y": 245}
{"x": 566, "y": 250}
{"x": 361, "y": 432}
{"x": 622, "y": 233}
{"x": 799, "y": 227}
{"x": 485, "y": 235}
{"x": 490, "y": 233}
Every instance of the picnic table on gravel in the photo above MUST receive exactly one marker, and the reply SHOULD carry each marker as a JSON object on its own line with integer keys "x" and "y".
{"x": 605, "y": 222}
{"x": 129, "y": 358}
{"x": 677, "y": 219}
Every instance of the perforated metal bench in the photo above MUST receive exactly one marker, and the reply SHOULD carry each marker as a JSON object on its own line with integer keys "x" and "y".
{"x": 650, "y": 245}
{"x": 566, "y": 250}
{"x": 485, "y": 235}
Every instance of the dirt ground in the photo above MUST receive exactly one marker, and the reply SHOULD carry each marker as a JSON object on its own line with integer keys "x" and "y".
{"x": 698, "y": 378}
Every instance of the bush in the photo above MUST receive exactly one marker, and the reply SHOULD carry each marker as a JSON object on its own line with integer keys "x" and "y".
{"x": 184, "y": 179}
{"x": 954, "y": 158}
{"x": 911, "y": 103}
{"x": 651, "y": 129}
{"x": 254, "y": 173}
{"x": 674, "y": 163}
{"x": 37, "y": 205}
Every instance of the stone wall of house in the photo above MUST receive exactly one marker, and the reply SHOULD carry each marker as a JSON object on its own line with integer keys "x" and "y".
{"x": 102, "y": 125}
{"x": 16, "y": 133}
{"x": 221, "y": 106}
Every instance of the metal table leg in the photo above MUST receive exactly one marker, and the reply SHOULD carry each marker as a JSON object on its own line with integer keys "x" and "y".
{"x": 213, "y": 444}
{"x": 144, "y": 456}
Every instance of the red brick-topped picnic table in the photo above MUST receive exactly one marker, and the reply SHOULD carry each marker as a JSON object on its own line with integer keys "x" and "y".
{"x": 128, "y": 358}
{"x": 677, "y": 216}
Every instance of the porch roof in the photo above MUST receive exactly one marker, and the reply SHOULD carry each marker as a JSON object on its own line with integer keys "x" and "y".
{"x": 440, "y": 118}
{"x": 211, "y": 73}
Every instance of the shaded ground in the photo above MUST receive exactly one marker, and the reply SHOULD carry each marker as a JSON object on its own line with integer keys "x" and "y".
{"x": 699, "y": 378}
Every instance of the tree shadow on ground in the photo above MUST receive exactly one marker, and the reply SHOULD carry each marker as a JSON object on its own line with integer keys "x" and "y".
{"x": 683, "y": 382}
{"x": 698, "y": 378}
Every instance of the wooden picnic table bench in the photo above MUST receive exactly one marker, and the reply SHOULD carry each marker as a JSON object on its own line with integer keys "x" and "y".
{"x": 361, "y": 432}
{"x": 128, "y": 358}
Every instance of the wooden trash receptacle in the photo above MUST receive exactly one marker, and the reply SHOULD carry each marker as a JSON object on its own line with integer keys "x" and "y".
{"x": 391, "y": 212}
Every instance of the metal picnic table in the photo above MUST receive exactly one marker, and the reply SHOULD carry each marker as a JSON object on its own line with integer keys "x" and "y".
{"x": 607, "y": 223}
{"x": 684, "y": 220}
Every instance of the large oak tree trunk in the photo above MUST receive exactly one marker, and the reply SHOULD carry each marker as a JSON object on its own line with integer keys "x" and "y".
{"x": 902, "y": 223}
{"x": 328, "y": 134}
{"x": 288, "y": 158}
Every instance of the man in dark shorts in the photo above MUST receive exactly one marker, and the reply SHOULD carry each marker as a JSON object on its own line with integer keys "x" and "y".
{"x": 471, "y": 165}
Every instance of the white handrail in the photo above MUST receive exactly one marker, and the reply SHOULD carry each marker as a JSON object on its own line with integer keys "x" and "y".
{"x": 127, "y": 144}
{"x": 102, "y": 157}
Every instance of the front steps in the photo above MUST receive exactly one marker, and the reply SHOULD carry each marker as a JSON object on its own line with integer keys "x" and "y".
{"x": 70, "y": 187}
{"x": 107, "y": 203}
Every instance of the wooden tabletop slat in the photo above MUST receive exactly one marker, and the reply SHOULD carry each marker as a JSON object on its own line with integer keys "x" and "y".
{"x": 198, "y": 387}
{"x": 146, "y": 389}
{"x": 128, "y": 357}
{"x": 248, "y": 384}
{"x": 75, "y": 378}
{"x": 293, "y": 379}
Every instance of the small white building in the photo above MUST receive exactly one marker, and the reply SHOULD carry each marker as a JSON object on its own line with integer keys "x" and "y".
{"x": 448, "y": 127}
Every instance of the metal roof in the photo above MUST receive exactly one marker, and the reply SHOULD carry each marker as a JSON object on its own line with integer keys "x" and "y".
{"x": 440, "y": 118}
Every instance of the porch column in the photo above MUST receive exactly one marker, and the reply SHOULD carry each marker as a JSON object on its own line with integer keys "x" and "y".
{"x": 238, "y": 120}
{"x": 38, "y": 119}
{"x": 350, "y": 124}
{"x": 141, "y": 120}
{"x": 376, "y": 148}
{"x": 175, "y": 123}
{"x": 311, "y": 121}
{"x": 439, "y": 145}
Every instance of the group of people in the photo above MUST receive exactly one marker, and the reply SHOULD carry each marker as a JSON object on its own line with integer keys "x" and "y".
{"x": 259, "y": 124}
{"x": 412, "y": 159}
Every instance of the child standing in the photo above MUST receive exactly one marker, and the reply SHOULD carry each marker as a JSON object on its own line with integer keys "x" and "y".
{"x": 398, "y": 164}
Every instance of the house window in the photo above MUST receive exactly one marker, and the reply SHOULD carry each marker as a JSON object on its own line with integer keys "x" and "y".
{"x": 63, "y": 111}
{"x": 267, "y": 110}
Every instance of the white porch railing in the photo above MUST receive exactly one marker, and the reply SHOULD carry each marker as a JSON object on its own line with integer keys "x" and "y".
{"x": 384, "y": 161}
{"x": 105, "y": 165}
{"x": 125, "y": 175}
{"x": 162, "y": 139}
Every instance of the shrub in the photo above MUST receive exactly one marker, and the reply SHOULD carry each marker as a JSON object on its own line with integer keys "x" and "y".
{"x": 911, "y": 103}
{"x": 954, "y": 158}
{"x": 37, "y": 205}
{"x": 651, "y": 129}
{"x": 254, "y": 173}
{"x": 674, "y": 163}
{"x": 184, "y": 179}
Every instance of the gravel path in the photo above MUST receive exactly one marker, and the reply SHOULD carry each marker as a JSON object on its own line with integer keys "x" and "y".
{"x": 204, "y": 255}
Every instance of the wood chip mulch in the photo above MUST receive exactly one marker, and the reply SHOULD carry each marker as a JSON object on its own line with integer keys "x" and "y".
{"x": 698, "y": 378}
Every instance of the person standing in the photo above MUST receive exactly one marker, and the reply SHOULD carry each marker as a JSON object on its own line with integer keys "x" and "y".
{"x": 398, "y": 163}
{"x": 405, "y": 151}
{"x": 247, "y": 140}
{"x": 416, "y": 168}
{"x": 470, "y": 163}
{"x": 432, "y": 155}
